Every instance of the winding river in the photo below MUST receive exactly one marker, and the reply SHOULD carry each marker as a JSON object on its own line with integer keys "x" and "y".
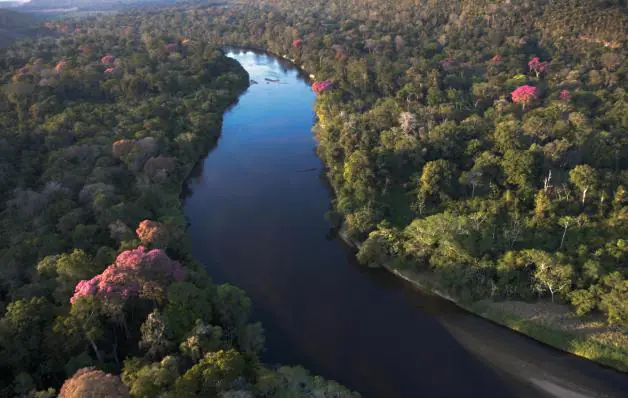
{"x": 256, "y": 220}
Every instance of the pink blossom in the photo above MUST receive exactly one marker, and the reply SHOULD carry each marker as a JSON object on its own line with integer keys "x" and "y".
{"x": 122, "y": 148}
{"x": 60, "y": 66}
{"x": 537, "y": 66}
{"x": 497, "y": 59}
{"x": 134, "y": 272}
{"x": 107, "y": 60}
{"x": 524, "y": 95}
{"x": 321, "y": 86}
{"x": 86, "y": 288}
{"x": 112, "y": 71}
{"x": 297, "y": 43}
{"x": 565, "y": 95}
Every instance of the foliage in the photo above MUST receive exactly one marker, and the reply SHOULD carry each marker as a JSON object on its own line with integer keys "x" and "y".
{"x": 93, "y": 383}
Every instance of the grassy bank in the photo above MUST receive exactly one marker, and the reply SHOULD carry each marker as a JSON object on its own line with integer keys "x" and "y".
{"x": 552, "y": 324}
{"x": 592, "y": 341}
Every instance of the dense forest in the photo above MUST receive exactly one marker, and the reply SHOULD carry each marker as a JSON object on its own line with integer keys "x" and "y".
{"x": 482, "y": 146}
{"x": 16, "y": 25}
{"x": 482, "y": 143}
{"x": 99, "y": 127}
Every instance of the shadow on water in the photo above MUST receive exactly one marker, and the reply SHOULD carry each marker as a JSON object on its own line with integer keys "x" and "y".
{"x": 258, "y": 223}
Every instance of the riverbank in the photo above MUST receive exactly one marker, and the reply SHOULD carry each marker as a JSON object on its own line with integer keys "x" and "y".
{"x": 549, "y": 323}
{"x": 589, "y": 339}
{"x": 552, "y": 324}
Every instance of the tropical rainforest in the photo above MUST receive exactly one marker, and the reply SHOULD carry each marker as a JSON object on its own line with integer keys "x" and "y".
{"x": 481, "y": 143}
{"x": 99, "y": 127}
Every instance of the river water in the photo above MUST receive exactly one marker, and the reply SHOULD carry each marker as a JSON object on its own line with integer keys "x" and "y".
{"x": 256, "y": 220}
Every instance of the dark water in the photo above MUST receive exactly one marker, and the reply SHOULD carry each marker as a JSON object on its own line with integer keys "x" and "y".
{"x": 256, "y": 214}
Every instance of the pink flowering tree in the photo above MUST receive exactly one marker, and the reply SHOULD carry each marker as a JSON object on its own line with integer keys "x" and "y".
{"x": 565, "y": 95}
{"x": 321, "y": 86}
{"x": 122, "y": 148}
{"x": 135, "y": 273}
{"x": 538, "y": 66}
{"x": 496, "y": 60}
{"x": 524, "y": 95}
{"x": 297, "y": 43}
{"x": 152, "y": 233}
{"x": 107, "y": 60}
{"x": 91, "y": 382}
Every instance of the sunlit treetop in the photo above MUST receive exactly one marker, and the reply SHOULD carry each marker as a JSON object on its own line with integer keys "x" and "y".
{"x": 152, "y": 233}
{"x": 60, "y": 67}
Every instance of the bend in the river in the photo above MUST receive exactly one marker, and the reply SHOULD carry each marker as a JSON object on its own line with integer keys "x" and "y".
{"x": 256, "y": 221}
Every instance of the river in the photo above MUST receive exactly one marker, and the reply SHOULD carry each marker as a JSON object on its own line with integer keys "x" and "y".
{"x": 256, "y": 220}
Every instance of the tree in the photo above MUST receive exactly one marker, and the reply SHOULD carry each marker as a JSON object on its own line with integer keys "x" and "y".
{"x": 23, "y": 331}
{"x": 213, "y": 374}
{"x": 152, "y": 233}
{"x": 148, "y": 380}
{"x": 615, "y": 301}
{"x": 233, "y": 308}
{"x": 297, "y": 382}
{"x": 187, "y": 304}
{"x": 585, "y": 178}
{"x": 524, "y": 95}
{"x": 437, "y": 179}
{"x": 83, "y": 322}
{"x": 584, "y": 300}
{"x": 202, "y": 339}
{"x": 359, "y": 175}
{"x": 156, "y": 338}
{"x": 549, "y": 274}
{"x": 90, "y": 382}
{"x": 407, "y": 122}
{"x": 135, "y": 272}
{"x": 565, "y": 95}
{"x": 538, "y": 66}
{"x": 520, "y": 167}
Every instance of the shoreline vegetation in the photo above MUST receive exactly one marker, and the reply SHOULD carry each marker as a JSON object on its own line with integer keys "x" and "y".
{"x": 548, "y": 323}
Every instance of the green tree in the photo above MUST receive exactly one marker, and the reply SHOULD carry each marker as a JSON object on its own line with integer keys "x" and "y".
{"x": 215, "y": 373}
{"x": 186, "y": 305}
{"x": 550, "y": 275}
{"x": 585, "y": 178}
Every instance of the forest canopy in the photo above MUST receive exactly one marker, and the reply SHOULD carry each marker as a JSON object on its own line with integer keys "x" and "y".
{"x": 100, "y": 125}
{"x": 483, "y": 143}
